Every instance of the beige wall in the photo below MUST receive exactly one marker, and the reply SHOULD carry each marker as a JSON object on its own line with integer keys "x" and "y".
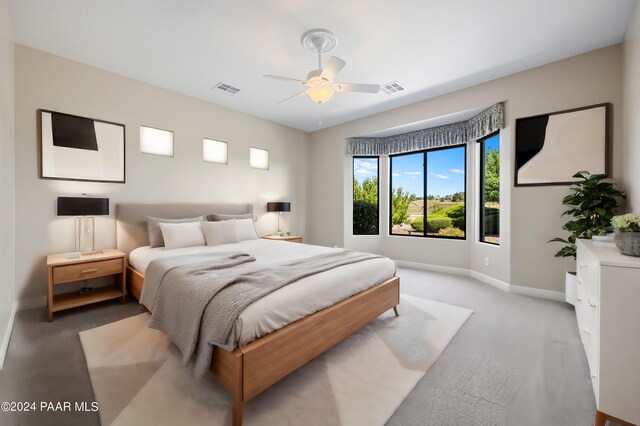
{"x": 51, "y": 82}
{"x": 7, "y": 183}
{"x": 531, "y": 216}
{"x": 632, "y": 109}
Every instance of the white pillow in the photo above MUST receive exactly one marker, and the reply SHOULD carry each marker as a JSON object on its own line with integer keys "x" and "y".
{"x": 246, "y": 230}
{"x": 177, "y": 235}
{"x": 222, "y": 232}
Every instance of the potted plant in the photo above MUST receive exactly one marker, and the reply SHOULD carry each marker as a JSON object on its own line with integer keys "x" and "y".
{"x": 627, "y": 237}
{"x": 591, "y": 204}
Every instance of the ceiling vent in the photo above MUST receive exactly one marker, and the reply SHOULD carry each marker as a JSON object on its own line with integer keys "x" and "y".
{"x": 226, "y": 88}
{"x": 391, "y": 88}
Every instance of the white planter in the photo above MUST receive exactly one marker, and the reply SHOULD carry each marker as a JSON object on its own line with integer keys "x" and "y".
{"x": 571, "y": 287}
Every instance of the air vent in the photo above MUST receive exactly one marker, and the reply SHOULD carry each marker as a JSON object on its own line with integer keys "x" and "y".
{"x": 391, "y": 88}
{"x": 226, "y": 88}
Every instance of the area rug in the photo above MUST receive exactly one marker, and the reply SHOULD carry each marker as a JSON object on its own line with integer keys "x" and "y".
{"x": 138, "y": 378}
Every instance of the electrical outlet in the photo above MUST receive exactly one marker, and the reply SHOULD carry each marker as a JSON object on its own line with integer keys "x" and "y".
{"x": 486, "y": 261}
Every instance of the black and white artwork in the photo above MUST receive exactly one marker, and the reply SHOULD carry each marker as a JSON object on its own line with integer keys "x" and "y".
{"x": 79, "y": 148}
{"x": 551, "y": 148}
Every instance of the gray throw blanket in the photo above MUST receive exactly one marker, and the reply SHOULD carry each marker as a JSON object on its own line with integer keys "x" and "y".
{"x": 177, "y": 291}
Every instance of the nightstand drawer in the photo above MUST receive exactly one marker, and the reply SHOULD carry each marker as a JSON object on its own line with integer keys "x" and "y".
{"x": 290, "y": 238}
{"x": 84, "y": 271}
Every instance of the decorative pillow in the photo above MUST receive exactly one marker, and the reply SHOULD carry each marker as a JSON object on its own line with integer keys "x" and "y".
{"x": 222, "y": 232}
{"x": 155, "y": 233}
{"x": 215, "y": 217}
{"x": 246, "y": 230}
{"x": 177, "y": 235}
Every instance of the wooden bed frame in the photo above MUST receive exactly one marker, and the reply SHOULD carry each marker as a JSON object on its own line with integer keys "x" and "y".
{"x": 252, "y": 368}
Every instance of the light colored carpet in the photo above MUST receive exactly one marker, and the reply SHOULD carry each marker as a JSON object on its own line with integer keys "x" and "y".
{"x": 138, "y": 379}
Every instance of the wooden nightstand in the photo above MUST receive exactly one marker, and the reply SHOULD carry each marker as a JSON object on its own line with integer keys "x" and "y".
{"x": 63, "y": 270}
{"x": 291, "y": 238}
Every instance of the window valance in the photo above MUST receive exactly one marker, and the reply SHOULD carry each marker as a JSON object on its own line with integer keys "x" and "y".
{"x": 478, "y": 126}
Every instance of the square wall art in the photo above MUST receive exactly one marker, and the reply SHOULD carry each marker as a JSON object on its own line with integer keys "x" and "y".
{"x": 551, "y": 148}
{"x": 79, "y": 148}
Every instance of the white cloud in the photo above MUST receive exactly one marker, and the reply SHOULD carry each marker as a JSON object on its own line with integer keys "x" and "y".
{"x": 395, "y": 174}
{"x": 363, "y": 172}
{"x": 439, "y": 176}
{"x": 457, "y": 171}
{"x": 413, "y": 173}
{"x": 364, "y": 164}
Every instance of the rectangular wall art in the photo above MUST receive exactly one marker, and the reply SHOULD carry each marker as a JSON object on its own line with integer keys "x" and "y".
{"x": 551, "y": 148}
{"x": 79, "y": 148}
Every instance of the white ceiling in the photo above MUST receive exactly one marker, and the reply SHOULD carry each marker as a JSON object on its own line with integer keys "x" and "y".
{"x": 430, "y": 46}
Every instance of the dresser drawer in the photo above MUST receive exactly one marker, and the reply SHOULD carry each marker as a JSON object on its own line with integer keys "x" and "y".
{"x": 591, "y": 341}
{"x": 84, "y": 271}
{"x": 581, "y": 308}
{"x": 583, "y": 261}
{"x": 592, "y": 284}
{"x": 595, "y": 382}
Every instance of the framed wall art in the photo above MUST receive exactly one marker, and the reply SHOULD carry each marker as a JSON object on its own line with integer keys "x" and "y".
{"x": 80, "y": 148}
{"x": 551, "y": 148}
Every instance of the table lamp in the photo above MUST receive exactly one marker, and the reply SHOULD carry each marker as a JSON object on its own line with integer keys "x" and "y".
{"x": 83, "y": 208}
{"x": 279, "y": 206}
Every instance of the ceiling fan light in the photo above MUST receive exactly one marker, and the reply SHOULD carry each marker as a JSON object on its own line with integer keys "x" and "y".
{"x": 320, "y": 94}
{"x": 320, "y": 90}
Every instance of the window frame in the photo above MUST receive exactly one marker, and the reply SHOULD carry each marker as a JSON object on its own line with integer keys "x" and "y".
{"x": 142, "y": 141}
{"x": 255, "y": 167}
{"x": 425, "y": 152}
{"x": 353, "y": 200}
{"x": 481, "y": 180}
{"x": 204, "y": 141}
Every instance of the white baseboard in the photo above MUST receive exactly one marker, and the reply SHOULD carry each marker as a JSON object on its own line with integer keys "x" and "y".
{"x": 35, "y": 302}
{"x": 432, "y": 268}
{"x": 4, "y": 346}
{"x": 494, "y": 282}
{"x": 538, "y": 292}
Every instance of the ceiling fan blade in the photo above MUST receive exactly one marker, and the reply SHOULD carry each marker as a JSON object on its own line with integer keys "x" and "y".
{"x": 290, "y": 80}
{"x": 355, "y": 87}
{"x": 332, "y": 68}
{"x": 291, "y": 97}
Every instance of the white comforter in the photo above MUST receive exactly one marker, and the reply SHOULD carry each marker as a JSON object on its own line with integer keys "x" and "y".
{"x": 293, "y": 301}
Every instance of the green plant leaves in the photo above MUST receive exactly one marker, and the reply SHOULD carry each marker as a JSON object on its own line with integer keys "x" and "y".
{"x": 591, "y": 204}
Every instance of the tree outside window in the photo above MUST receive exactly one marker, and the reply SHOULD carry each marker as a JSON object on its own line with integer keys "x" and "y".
{"x": 365, "y": 196}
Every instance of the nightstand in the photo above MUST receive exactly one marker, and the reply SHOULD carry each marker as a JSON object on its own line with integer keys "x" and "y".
{"x": 63, "y": 270}
{"x": 290, "y": 238}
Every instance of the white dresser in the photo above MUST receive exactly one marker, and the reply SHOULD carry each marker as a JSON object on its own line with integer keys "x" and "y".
{"x": 608, "y": 313}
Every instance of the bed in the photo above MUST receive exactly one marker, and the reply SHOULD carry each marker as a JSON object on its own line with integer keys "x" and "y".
{"x": 270, "y": 346}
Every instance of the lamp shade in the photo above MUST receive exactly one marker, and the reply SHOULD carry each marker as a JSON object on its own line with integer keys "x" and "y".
{"x": 82, "y": 206}
{"x": 278, "y": 206}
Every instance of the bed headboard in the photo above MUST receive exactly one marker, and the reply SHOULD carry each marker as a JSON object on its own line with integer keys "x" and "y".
{"x": 131, "y": 218}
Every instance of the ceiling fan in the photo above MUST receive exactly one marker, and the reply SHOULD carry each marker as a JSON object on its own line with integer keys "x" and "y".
{"x": 319, "y": 82}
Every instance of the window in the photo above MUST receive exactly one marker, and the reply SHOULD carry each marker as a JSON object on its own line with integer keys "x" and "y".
{"x": 490, "y": 189}
{"x": 156, "y": 141}
{"x": 407, "y": 194}
{"x": 366, "y": 195}
{"x": 259, "y": 158}
{"x": 428, "y": 191}
{"x": 214, "y": 151}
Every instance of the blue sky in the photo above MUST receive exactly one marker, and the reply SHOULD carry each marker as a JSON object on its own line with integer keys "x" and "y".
{"x": 492, "y": 142}
{"x": 364, "y": 168}
{"x": 445, "y": 170}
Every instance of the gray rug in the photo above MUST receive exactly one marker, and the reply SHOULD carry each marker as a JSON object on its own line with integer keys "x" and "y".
{"x": 138, "y": 379}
